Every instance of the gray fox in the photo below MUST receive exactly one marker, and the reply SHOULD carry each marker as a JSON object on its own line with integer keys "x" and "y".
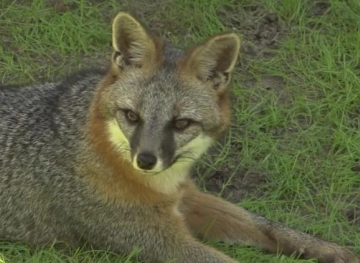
{"x": 103, "y": 157}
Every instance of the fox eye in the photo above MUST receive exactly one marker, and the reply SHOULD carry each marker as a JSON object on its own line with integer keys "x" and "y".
{"x": 182, "y": 124}
{"x": 131, "y": 116}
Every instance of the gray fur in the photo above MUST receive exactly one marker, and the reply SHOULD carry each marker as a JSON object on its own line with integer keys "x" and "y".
{"x": 41, "y": 129}
{"x": 42, "y": 138}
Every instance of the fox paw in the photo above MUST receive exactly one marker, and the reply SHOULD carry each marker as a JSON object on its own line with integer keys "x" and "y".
{"x": 338, "y": 255}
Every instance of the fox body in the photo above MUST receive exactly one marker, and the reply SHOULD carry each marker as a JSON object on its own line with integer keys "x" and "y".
{"x": 103, "y": 157}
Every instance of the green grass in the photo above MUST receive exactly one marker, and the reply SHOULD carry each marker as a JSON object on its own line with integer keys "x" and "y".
{"x": 296, "y": 124}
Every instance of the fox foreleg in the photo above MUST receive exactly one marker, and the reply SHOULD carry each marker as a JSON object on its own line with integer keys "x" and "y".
{"x": 217, "y": 219}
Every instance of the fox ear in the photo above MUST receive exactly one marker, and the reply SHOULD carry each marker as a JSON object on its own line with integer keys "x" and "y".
{"x": 213, "y": 61}
{"x": 132, "y": 44}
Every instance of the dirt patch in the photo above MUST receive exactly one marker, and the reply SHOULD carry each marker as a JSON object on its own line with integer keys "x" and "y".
{"x": 62, "y": 6}
{"x": 261, "y": 29}
{"x": 239, "y": 186}
{"x": 320, "y": 8}
{"x": 269, "y": 86}
{"x": 353, "y": 215}
{"x": 229, "y": 179}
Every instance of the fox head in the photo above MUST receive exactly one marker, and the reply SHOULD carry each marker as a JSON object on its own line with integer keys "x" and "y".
{"x": 164, "y": 106}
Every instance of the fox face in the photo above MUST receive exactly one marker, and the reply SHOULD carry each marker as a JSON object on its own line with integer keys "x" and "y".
{"x": 164, "y": 106}
{"x": 163, "y": 120}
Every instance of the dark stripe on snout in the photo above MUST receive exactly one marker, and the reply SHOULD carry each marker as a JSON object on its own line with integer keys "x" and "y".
{"x": 158, "y": 142}
{"x": 135, "y": 139}
{"x": 168, "y": 145}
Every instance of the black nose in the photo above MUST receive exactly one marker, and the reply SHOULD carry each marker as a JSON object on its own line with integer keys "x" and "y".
{"x": 146, "y": 161}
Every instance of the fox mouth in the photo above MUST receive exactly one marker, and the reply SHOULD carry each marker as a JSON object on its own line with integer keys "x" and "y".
{"x": 167, "y": 167}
